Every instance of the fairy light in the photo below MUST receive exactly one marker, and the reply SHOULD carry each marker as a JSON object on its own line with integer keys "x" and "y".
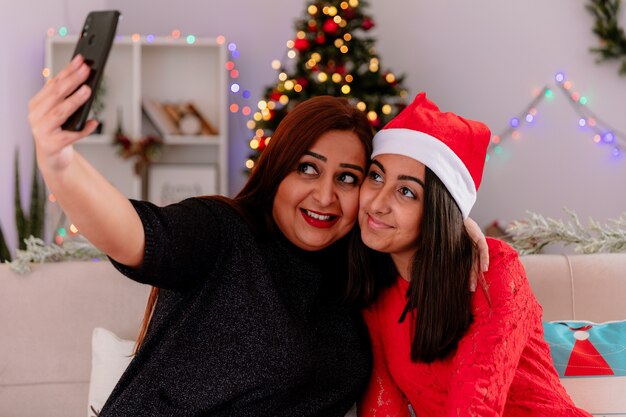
{"x": 386, "y": 109}
{"x": 602, "y": 134}
{"x": 292, "y": 54}
{"x": 257, "y": 116}
{"x": 262, "y": 105}
{"x": 249, "y": 164}
{"x": 73, "y": 229}
{"x": 283, "y": 100}
{"x": 282, "y": 76}
{"x": 332, "y": 11}
{"x": 254, "y": 144}
{"x": 46, "y": 72}
{"x": 220, "y": 40}
{"x": 51, "y": 32}
{"x": 234, "y": 108}
{"x": 353, "y": 3}
{"x": 349, "y": 78}
{"x": 344, "y": 5}
{"x": 344, "y": 49}
{"x": 361, "y": 106}
{"x": 312, "y": 9}
{"x": 322, "y": 77}
{"x": 336, "y": 77}
{"x": 52, "y": 198}
{"x": 251, "y": 124}
{"x": 297, "y": 88}
{"x": 289, "y": 85}
{"x": 372, "y": 115}
{"x": 290, "y": 43}
{"x": 176, "y": 34}
{"x": 62, "y": 31}
{"x": 234, "y": 88}
{"x": 345, "y": 89}
{"x": 191, "y": 39}
{"x": 276, "y": 64}
{"x": 347, "y": 37}
{"x": 234, "y": 74}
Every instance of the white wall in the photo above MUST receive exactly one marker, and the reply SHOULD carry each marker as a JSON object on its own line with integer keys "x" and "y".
{"x": 481, "y": 59}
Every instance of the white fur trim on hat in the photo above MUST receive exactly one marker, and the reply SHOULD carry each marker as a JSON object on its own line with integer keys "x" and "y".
{"x": 436, "y": 155}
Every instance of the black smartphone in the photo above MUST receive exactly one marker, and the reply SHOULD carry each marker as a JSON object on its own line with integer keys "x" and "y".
{"x": 94, "y": 45}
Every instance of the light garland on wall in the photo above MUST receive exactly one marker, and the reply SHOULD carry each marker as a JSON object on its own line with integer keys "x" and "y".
{"x": 602, "y": 132}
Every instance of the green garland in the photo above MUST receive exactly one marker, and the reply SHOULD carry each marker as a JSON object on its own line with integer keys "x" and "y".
{"x": 37, "y": 251}
{"x": 607, "y": 28}
{"x": 532, "y": 234}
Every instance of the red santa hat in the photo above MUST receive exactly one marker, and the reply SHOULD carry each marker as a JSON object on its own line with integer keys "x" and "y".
{"x": 453, "y": 147}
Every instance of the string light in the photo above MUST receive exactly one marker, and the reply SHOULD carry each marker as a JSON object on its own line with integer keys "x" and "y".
{"x": 602, "y": 132}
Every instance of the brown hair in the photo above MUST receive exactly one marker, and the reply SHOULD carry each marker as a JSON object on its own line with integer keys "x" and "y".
{"x": 439, "y": 292}
{"x": 295, "y": 134}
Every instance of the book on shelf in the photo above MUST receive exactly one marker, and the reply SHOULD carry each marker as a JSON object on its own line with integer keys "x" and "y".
{"x": 177, "y": 119}
{"x": 159, "y": 117}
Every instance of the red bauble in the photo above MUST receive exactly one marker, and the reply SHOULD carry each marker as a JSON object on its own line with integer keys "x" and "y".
{"x": 303, "y": 82}
{"x": 262, "y": 144}
{"x": 312, "y": 26}
{"x": 330, "y": 26}
{"x": 367, "y": 23}
{"x": 275, "y": 95}
{"x": 320, "y": 39}
{"x": 301, "y": 45}
{"x": 341, "y": 69}
{"x": 349, "y": 13}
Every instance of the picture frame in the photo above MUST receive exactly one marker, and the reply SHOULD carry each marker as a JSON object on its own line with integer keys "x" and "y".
{"x": 168, "y": 183}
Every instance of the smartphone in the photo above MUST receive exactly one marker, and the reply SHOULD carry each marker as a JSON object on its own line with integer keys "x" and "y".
{"x": 94, "y": 44}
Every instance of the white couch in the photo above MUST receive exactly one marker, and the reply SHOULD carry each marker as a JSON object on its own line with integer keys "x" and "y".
{"x": 47, "y": 318}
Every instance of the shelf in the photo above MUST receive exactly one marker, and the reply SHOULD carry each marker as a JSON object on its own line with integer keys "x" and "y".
{"x": 163, "y": 69}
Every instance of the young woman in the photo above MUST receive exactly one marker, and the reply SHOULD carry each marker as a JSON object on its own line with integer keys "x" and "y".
{"x": 248, "y": 320}
{"x": 436, "y": 346}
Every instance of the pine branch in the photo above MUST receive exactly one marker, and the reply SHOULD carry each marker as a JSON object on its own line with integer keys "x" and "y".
{"x": 38, "y": 252}
{"x": 531, "y": 235}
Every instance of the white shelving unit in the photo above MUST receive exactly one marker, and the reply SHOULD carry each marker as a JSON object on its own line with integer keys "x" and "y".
{"x": 167, "y": 70}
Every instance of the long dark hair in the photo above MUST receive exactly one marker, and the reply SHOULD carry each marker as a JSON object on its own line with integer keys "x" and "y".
{"x": 438, "y": 298}
{"x": 295, "y": 134}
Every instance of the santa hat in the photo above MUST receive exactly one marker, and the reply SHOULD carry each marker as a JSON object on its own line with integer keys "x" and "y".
{"x": 453, "y": 147}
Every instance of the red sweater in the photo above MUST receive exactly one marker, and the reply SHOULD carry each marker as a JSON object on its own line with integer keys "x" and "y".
{"x": 501, "y": 367}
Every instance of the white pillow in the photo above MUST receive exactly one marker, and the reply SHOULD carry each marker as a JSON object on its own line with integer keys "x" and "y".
{"x": 110, "y": 357}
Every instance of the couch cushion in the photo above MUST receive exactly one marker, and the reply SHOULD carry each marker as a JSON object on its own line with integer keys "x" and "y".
{"x": 591, "y": 361}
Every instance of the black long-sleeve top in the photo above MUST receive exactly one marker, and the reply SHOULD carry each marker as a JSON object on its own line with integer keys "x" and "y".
{"x": 244, "y": 325}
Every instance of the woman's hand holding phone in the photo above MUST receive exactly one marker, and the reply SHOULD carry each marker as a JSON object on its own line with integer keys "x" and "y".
{"x": 51, "y": 107}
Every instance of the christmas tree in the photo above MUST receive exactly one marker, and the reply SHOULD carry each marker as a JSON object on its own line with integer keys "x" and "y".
{"x": 330, "y": 55}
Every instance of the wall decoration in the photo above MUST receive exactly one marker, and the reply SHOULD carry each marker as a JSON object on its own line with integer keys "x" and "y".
{"x": 600, "y": 131}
